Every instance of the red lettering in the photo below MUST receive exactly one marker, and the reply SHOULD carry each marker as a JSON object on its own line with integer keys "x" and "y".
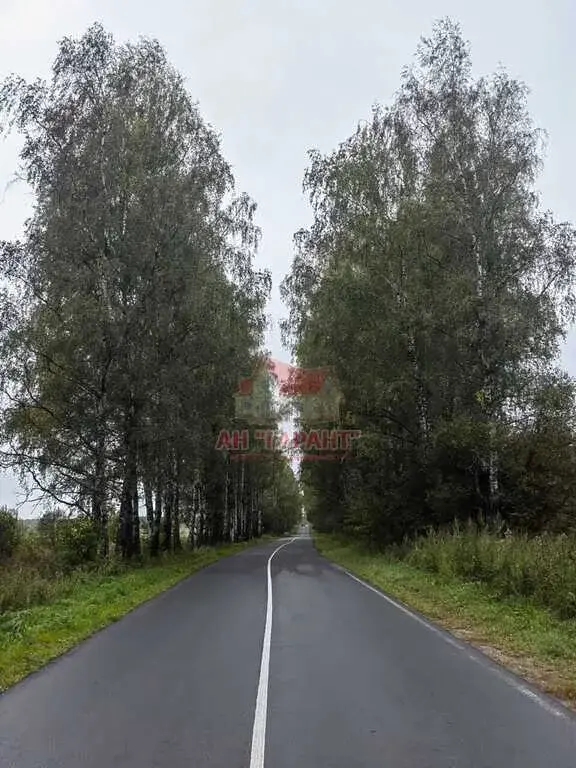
{"x": 313, "y": 440}
{"x": 223, "y": 442}
{"x": 326, "y": 440}
{"x": 344, "y": 439}
{"x": 346, "y": 436}
{"x": 267, "y": 435}
{"x": 240, "y": 440}
{"x": 299, "y": 438}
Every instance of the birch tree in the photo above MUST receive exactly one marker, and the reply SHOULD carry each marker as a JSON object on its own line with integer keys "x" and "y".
{"x": 134, "y": 301}
{"x": 437, "y": 287}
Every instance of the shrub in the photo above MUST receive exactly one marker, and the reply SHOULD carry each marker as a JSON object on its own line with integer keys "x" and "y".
{"x": 9, "y": 533}
{"x": 73, "y": 540}
{"x": 541, "y": 568}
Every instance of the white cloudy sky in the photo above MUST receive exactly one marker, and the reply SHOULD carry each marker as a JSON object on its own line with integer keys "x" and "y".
{"x": 278, "y": 77}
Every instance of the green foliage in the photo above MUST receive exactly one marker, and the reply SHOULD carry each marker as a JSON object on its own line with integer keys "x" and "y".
{"x": 436, "y": 288}
{"x": 542, "y": 568}
{"x": 74, "y": 540}
{"x": 282, "y": 502}
{"x": 135, "y": 306}
{"x": 47, "y": 528}
{"x": 23, "y": 585}
{"x": 9, "y": 533}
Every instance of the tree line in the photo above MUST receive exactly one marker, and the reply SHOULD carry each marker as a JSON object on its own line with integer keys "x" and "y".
{"x": 130, "y": 308}
{"x": 437, "y": 289}
{"x": 431, "y": 283}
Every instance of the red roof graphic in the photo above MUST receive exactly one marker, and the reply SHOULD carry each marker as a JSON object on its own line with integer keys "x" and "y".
{"x": 291, "y": 380}
{"x": 245, "y": 387}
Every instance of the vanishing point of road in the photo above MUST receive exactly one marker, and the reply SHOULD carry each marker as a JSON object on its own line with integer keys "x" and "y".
{"x": 278, "y": 662}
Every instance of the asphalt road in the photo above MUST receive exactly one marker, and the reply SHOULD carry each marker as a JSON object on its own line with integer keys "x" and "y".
{"x": 344, "y": 678}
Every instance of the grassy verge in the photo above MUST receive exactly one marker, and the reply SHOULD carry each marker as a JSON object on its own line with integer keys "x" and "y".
{"x": 517, "y": 633}
{"x": 32, "y": 637}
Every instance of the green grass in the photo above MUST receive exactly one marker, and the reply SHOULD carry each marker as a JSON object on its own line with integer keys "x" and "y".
{"x": 515, "y": 631}
{"x": 541, "y": 568}
{"x": 32, "y": 637}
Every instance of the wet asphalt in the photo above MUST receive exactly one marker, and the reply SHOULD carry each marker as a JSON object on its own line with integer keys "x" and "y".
{"x": 355, "y": 681}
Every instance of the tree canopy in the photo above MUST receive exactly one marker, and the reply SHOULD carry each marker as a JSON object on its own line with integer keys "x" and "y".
{"x": 133, "y": 305}
{"x": 431, "y": 283}
{"x": 438, "y": 290}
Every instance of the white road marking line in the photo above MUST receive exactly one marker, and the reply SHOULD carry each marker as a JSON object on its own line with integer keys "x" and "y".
{"x": 552, "y": 709}
{"x": 260, "y": 714}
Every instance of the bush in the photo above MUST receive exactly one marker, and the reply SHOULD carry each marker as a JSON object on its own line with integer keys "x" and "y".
{"x": 73, "y": 540}
{"x": 541, "y": 568}
{"x": 22, "y": 586}
{"x": 9, "y": 533}
{"x": 78, "y": 543}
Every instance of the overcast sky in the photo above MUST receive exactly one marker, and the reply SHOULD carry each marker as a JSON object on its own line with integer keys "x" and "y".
{"x": 279, "y": 77}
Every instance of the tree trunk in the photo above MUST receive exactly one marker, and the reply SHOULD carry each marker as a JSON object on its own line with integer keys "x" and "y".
{"x": 149, "y": 504}
{"x": 493, "y": 481}
{"x": 177, "y": 543}
{"x": 243, "y": 520}
{"x": 129, "y": 527}
{"x": 125, "y": 532}
{"x": 157, "y": 522}
{"x": 225, "y": 510}
{"x": 99, "y": 511}
{"x": 167, "y": 523}
{"x": 136, "y": 543}
{"x": 234, "y": 530}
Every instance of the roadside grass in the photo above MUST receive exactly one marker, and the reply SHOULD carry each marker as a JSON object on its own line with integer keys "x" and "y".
{"x": 514, "y": 631}
{"x": 83, "y": 604}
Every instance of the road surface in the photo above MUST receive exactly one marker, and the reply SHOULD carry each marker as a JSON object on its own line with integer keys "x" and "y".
{"x": 321, "y": 672}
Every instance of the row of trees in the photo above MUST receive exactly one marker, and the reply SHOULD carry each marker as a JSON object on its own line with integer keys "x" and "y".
{"x": 438, "y": 291}
{"x": 430, "y": 281}
{"x": 131, "y": 306}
